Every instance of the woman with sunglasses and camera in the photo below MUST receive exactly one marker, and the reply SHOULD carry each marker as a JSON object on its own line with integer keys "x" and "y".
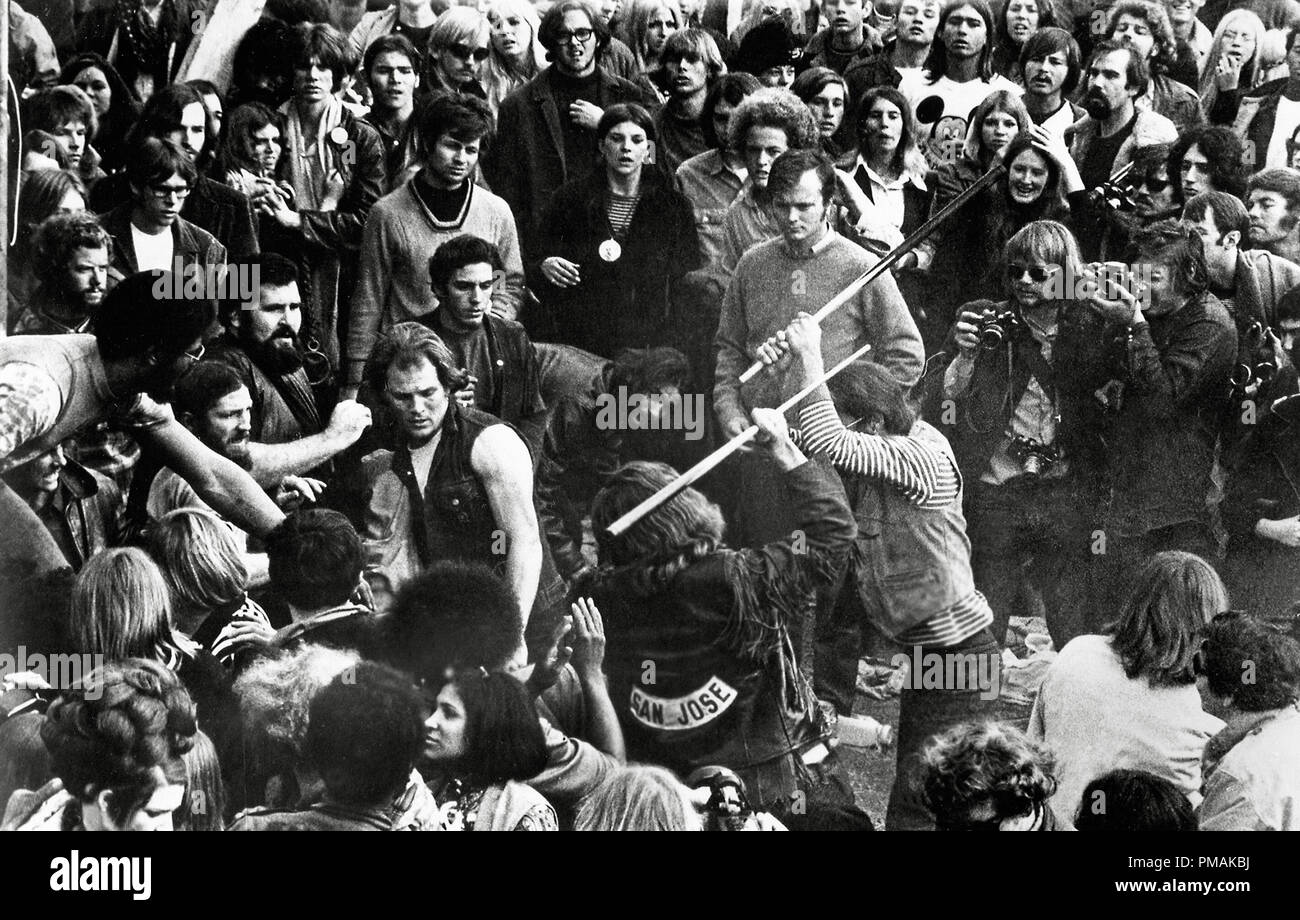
{"x": 1000, "y": 397}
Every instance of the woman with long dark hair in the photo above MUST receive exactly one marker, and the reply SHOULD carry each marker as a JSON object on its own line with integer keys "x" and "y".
{"x": 115, "y": 104}
{"x": 482, "y": 742}
{"x": 620, "y": 240}
{"x": 1017, "y": 22}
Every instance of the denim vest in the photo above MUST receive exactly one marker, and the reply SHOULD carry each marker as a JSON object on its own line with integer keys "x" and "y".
{"x": 452, "y": 519}
{"x": 909, "y": 563}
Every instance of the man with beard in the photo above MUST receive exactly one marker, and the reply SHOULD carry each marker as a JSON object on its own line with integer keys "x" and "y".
{"x": 52, "y": 387}
{"x": 1104, "y": 141}
{"x": 1273, "y": 204}
{"x": 261, "y": 344}
{"x": 70, "y": 260}
{"x": 214, "y": 405}
{"x": 496, "y": 353}
{"x": 581, "y": 448}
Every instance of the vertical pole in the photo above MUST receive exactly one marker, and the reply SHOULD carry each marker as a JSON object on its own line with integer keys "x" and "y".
{"x": 4, "y": 168}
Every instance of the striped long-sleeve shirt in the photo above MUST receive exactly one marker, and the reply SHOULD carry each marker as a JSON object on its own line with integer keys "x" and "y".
{"x": 922, "y": 468}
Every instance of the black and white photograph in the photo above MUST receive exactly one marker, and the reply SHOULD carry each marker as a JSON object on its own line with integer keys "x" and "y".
{"x": 652, "y": 415}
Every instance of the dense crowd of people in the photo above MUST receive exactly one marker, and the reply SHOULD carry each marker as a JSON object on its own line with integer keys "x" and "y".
{"x": 349, "y": 351}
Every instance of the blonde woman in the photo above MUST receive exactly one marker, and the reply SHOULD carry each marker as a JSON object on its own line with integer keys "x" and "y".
{"x": 515, "y": 55}
{"x": 649, "y": 23}
{"x": 1234, "y": 64}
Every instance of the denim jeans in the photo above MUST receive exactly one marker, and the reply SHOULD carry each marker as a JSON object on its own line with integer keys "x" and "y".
{"x": 922, "y": 714}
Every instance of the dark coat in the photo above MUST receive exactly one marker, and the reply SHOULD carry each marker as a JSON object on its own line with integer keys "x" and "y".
{"x": 161, "y": 62}
{"x": 327, "y": 245}
{"x": 219, "y": 209}
{"x": 1262, "y": 575}
{"x": 626, "y": 303}
{"x": 526, "y": 163}
{"x": 191, "y": 245}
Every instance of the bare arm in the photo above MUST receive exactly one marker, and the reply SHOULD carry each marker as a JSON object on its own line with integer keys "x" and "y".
{"x": 502, "y": 461}
{"x": 219, "y": 482}
{"x": 273, "y": 462}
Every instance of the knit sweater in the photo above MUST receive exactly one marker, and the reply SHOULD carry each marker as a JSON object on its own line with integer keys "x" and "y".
{"x": 771, "y": 286}
{"x": 401, "y": 234}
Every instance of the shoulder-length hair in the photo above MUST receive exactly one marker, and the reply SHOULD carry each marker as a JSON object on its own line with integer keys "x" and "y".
{"x": 936, "y": 63}
{"x": 325, "y": 45}
{"x": 700, "y": 44}
{"x": 500, "y": 75}
{"x": 1172, "y": 598}
{"x": 57, "y": 106}
{"x": 1052, "y": 190}
{"x": 121, "y": 607}
{"x": 1046, "y": 18}
{"x": 1046, "y": 241}
{"x": 635, "y": 798}
{"x": 731, "y": 88}
{"x": 405, "y": 345}
{"x": 43, "y": 191}
{"x": 162, "y": 115}
{"x": 1165, "y": 52}
{"x": 865, "y": 389}
{"x": 235, "y": 149}
{"x": 1001, "y": 101}
{"x": 199, "y": 559}
{"x": 638, "y": 27}
{"x": 908, "y": 158}
{"x": 503, "y": 738}
{"x": 1251, "y": 71}
{"x": 678, "y": 533}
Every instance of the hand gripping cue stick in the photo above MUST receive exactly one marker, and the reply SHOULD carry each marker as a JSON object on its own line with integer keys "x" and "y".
{"x": 887, "y": 261}
{"x": 726, "y": 450}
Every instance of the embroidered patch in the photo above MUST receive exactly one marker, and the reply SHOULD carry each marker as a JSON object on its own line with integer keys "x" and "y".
{"x": 683, "y": 712}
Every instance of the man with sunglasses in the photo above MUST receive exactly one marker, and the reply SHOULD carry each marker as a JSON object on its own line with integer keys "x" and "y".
{"x": 148, "y": 232}
{"x": 458, "y": 46}
{"x": 546, "y": 129}
{"x": 1004, "y": 408}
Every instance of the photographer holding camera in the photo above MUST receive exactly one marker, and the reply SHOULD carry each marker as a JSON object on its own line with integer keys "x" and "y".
{"x": 1003, "y": 410}
{"x": 1166, "y": 408}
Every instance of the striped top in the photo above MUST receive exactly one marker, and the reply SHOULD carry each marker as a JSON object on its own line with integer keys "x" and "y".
{"x": 922, "y": 468}
{"x": 620, "y": 209}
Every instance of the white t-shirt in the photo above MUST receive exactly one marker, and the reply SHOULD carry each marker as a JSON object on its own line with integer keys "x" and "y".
{"x": 1058, "y": 121}
{"x": 152, "y": 250}
{"x": 1288, "y": 119}
{"x": 942, "y": 126}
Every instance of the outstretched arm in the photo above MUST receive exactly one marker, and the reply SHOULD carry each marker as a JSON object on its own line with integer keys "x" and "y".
{"x": 219, "y": 482}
